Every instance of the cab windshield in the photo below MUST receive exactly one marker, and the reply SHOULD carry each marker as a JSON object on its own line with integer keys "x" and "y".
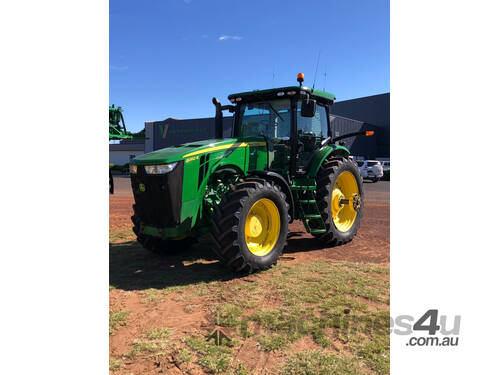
{"x": 267, "y": 118}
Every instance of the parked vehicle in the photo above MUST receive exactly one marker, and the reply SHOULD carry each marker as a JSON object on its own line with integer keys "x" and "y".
{"x": 370, "y": 170}
{"x": 386, "y": 166}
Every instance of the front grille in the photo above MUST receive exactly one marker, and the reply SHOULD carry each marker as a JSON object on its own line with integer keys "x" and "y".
{"x": 158, "y": 203}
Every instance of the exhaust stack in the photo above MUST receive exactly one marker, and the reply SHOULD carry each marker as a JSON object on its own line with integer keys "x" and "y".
{"x": 218, "y": 118}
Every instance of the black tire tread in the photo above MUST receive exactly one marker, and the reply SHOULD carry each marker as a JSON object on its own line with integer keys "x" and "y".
{"x": 324, "y": 180}
{"x": 225, "y": 224}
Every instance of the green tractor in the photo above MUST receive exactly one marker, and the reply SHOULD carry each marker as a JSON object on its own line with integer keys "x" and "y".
{"x": 118, "y": 132}
{"x": 281, "y": 163}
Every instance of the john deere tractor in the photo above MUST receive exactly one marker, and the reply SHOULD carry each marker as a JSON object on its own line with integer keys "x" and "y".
{"x": 280, "y": 164}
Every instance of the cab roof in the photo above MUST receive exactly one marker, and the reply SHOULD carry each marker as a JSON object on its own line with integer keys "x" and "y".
{"x": 321, "y": 96}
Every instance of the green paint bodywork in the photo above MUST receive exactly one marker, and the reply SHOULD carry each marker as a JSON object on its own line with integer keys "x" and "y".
{"x": 236, "y": 153}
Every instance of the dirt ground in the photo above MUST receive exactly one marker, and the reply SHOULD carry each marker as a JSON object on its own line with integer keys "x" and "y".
{"x": 176, "y": 293}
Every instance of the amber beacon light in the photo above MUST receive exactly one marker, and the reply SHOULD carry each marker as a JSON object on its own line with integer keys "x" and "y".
{"x": 300, "y": 78}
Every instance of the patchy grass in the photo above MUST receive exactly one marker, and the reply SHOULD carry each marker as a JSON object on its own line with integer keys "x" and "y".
{"x": 331, "y": 302}
{"x": 272, "y": 341}
{"x": 184, "y": 356}
{"x": 117, "y": 318}
{"x": 146, "y": 346}
{"x": 239, "y": 370}
{"x": 340, "y": 306}
{"x": 318, "y": 363}
{"x": 244, "y": 329}
{"x": 115, "y": 364}
{"x": 152, "y": 295}
{"x": 227, "y": 314}
{"x": 159, "y": 333}
{"x": 117, "y": 236}
{"x": 320, "y": 338}
{"x": 213, "y": 358}
{"x": 153, "y": 342}
{"x": 375, "y": 353}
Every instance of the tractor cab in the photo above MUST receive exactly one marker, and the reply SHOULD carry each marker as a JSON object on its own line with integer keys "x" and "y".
{"x": 293, "y": 121}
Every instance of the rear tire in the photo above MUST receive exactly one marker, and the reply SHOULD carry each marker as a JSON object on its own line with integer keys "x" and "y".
{"x": 326, "y": 180}
{"x": 250, "y": 226}
{"x": 159, "y": 246}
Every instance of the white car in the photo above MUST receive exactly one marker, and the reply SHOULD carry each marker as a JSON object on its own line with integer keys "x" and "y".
{"x": 370, "y": 169}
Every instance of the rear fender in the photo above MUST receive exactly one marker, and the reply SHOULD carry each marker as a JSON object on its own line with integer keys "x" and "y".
{"x": 322, "y": 154}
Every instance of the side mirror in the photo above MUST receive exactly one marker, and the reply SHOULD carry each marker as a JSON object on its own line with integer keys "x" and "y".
{"x": 308, "y": 108}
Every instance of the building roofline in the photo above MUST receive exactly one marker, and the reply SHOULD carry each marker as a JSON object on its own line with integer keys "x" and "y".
{"x": 190, "y": 119}
{"x": 363, "y": 97}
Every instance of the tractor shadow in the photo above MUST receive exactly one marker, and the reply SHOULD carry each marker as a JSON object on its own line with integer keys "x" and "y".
{"x": 298, "y": 243}
{"x": 131, "y": 267}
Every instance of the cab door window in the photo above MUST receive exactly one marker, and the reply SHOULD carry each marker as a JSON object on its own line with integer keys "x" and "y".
{"x": 310, "y": 132}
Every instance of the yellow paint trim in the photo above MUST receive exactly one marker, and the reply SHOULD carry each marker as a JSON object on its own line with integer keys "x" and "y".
{"x": 225, "y": 147}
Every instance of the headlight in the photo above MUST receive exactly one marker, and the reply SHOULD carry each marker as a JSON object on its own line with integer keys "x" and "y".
{"x": 132, "y": 168}
{"x": 160, "y": 168}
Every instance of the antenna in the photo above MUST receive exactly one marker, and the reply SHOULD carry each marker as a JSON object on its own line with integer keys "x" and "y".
{"x": 273, "y": 76}
{"x": 317, "y": 63}
{"x": 324, "y": 87}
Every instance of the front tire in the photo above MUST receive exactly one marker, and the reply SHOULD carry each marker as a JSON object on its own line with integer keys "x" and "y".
{"x": 250, "y": 226}
{"x": 339, "y": 180}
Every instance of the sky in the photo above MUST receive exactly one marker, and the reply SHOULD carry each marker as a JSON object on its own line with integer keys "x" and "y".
{"x": 168, "y": 58}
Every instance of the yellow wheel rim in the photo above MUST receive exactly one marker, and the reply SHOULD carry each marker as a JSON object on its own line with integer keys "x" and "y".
{"x": 262, "y": 227}
{"x": 345, "y": 201}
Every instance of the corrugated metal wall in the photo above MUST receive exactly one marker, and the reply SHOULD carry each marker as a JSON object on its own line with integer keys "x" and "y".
{"x": 359, "y": 146}
{"x": 374, "y": 110}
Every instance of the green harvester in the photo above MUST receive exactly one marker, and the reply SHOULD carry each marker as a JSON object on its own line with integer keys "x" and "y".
{"x": 281, "y": 164}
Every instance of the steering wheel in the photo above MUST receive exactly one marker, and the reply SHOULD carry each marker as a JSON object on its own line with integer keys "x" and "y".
{"x": 307, "y": 140}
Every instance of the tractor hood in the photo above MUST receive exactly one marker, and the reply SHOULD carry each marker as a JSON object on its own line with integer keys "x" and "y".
{"x": 180, "y": 152}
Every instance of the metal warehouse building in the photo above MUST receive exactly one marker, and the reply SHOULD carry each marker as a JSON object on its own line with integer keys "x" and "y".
{"x": 374, "y": 112}
{"x": 366, "y": 113}
{"x": 121, "y": 153}
{"x": 171, "y": 132}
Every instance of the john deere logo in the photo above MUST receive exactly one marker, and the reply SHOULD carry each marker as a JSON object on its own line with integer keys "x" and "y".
{"x": 142, "y": 188}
